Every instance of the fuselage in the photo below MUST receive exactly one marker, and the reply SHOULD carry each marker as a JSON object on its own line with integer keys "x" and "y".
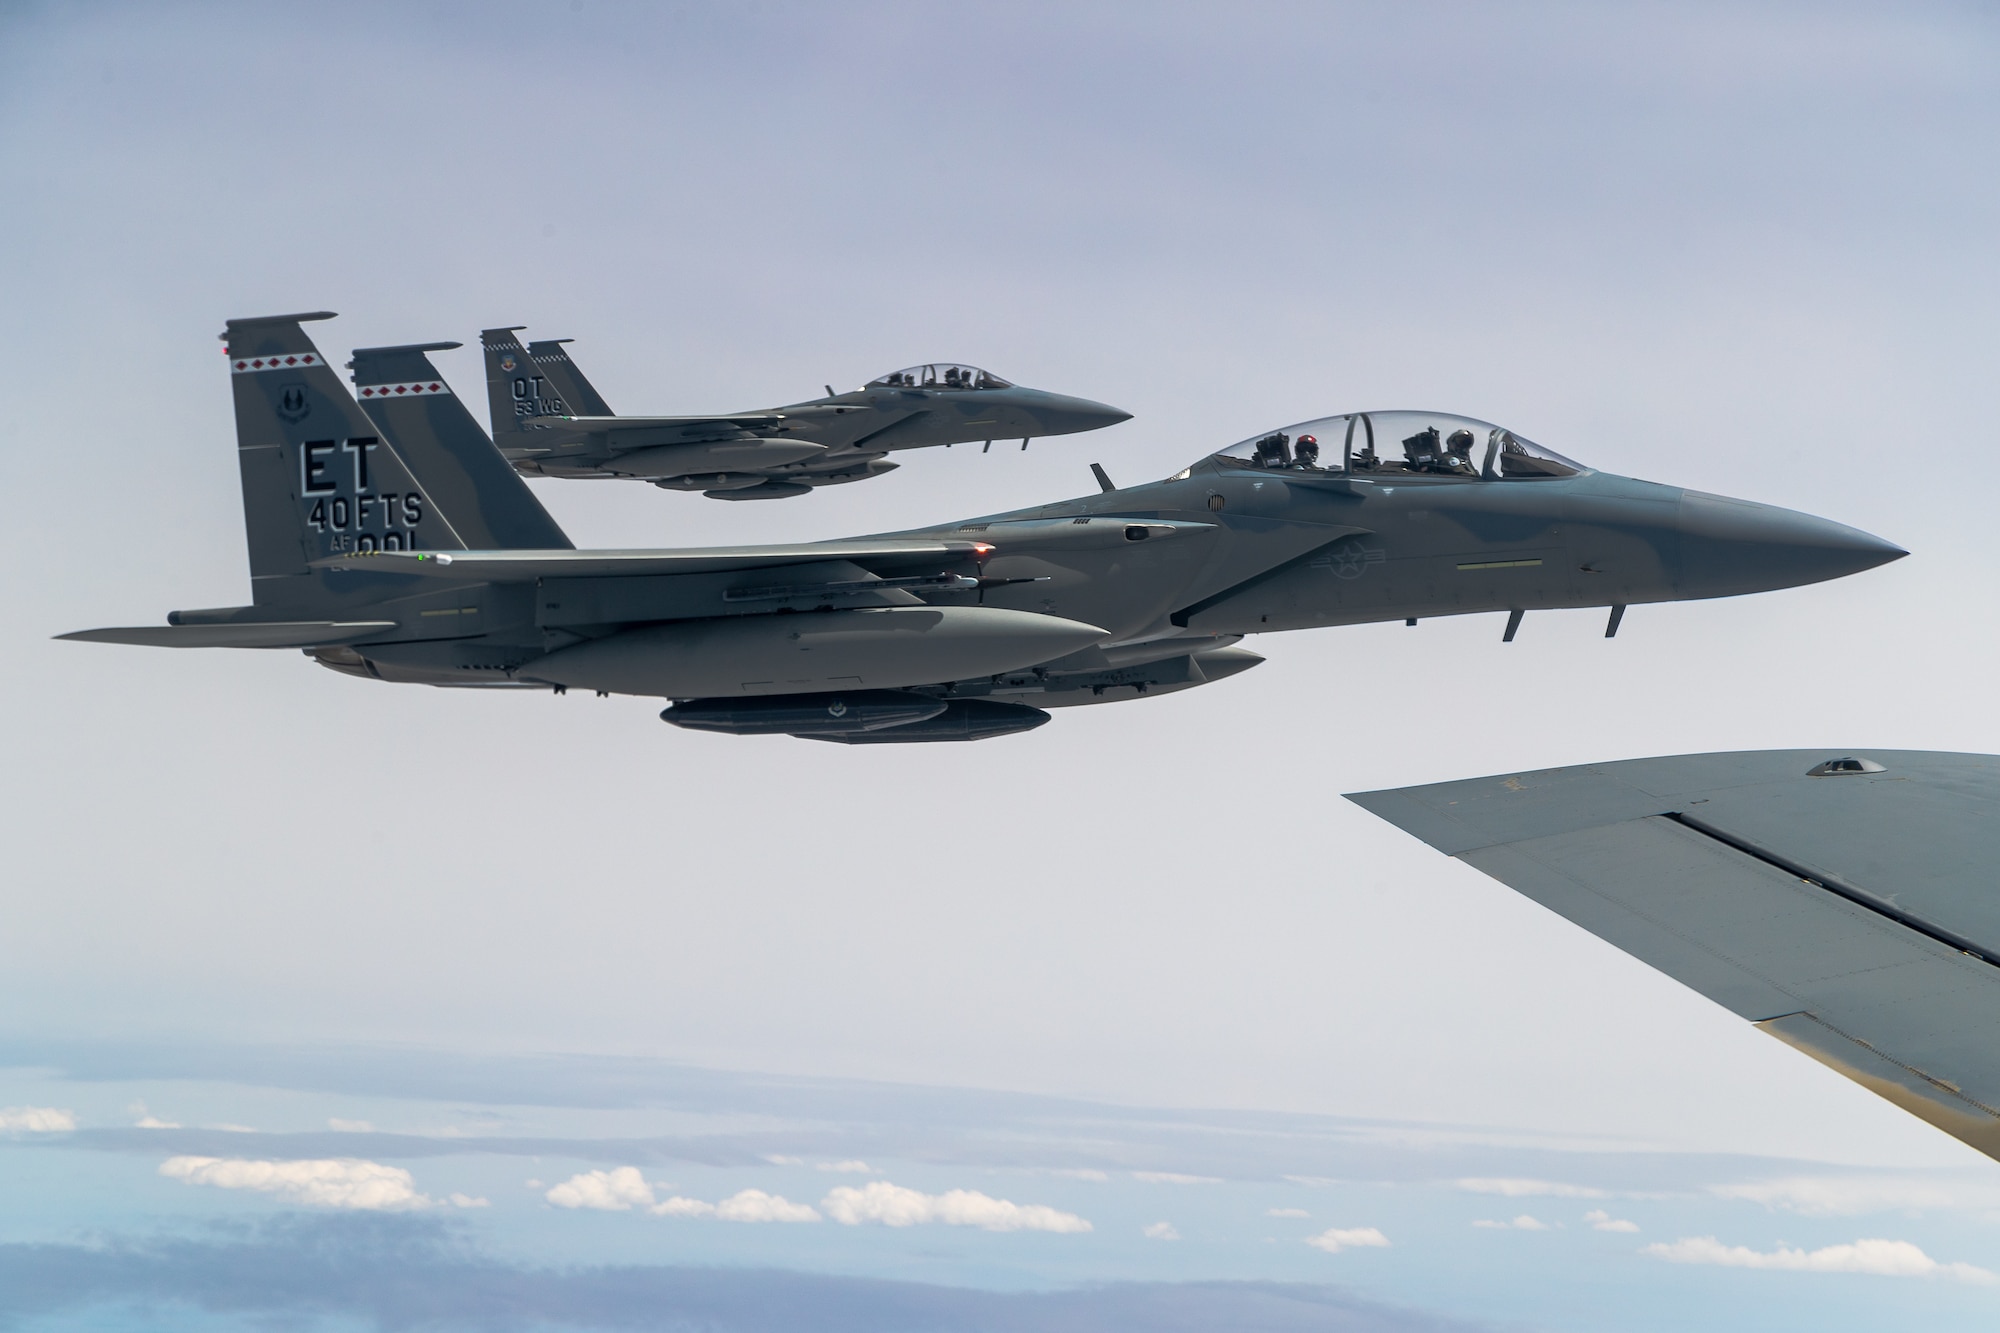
{"x": 1286, "y": 550}
{"x": 1163, "y": 571}
{"x": 399, "y": 544}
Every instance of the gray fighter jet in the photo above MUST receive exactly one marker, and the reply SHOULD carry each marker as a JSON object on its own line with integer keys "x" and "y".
{"x": 1841, "y": 902}
{"x": 407, "y": 549}
{"x": 549, "y": 421}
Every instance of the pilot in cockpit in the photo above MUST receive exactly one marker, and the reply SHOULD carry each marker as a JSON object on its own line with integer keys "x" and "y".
{"x": 1458, "y": 450}
{"x": 1305, "y": 453}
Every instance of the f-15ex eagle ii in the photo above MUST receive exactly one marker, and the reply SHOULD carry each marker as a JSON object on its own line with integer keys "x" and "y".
{"x": 551, "y": 422}
{"x": 400, "y": 545}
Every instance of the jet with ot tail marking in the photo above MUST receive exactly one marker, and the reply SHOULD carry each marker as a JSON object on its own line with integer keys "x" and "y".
{"x": 406, "y": 548}
{"x": 550, "y": 421}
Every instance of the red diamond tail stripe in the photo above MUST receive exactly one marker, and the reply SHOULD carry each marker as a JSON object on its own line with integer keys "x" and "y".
{"x": 250, "y": 365}
{"x": 413, "y": 390}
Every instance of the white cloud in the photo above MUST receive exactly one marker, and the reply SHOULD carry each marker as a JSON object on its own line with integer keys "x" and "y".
{"x": 1160, "y": 1231}
{"x": 1174, "y": 1178}
{"x": 1884, "y": 1258}
{"x": 612, "y": 1191}
{"x": 894, "y": 1206}
{"x": 1518, "y": 1188}
{"x": 1286, "y": 1212}
{"x": 1602, "y": 1221}
{"x": 681, "y": 1207}
{"x": 1846, "y": 1196}
{"x": 622, "y": 1189}
{"x": 468, "y": 1201}
{"x": 154, "y": 1122}
{"x": 1079, "y": 1173}
{"x": 343, "y": 1182}
{"x": 1521, "y": 1223}
{"x": 1335, "y": 1239}
{"x": 852, "y": 1166}
{"x": 350, "y": 1126}
{"x": 742, "y": 1206}
{"x": 757, "y": 1206}
{"x": 36, "y": 1120}
{"x": 779, "y": 1159}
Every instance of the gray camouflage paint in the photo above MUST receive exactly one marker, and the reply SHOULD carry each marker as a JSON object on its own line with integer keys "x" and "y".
{"x": 550, "y": 421}
{"x": 354, "y": 525}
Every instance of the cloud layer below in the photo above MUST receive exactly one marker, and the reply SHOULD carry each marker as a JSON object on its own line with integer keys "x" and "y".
{"x": 1335, "y": 1239}
{"x": 335, "y": 1182}
{"x": 1883, "y": 1258}
{"x": 624, "y": 1188}
{"x": 894, "y": 1206}
{"x": 35, "y": 1120}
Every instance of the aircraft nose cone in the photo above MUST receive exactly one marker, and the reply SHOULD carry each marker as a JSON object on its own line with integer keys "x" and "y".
{"x": 1062, "y": 415}
{"x": 1737, "y": 546}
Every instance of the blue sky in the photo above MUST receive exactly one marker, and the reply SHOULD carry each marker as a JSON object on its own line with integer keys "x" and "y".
{"x": 1744, "y": 248}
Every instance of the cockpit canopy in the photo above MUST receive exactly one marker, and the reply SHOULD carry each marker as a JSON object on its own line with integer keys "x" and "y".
{"x": 1399, "y": 444}
{"x": 942, "y": 375}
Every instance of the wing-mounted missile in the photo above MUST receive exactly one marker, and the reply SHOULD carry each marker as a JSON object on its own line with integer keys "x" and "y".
{"x": 550, "y": 421}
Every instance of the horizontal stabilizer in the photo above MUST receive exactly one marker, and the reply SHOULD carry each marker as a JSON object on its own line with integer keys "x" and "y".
{"x": 269, "y": 634}
{"x": 519, "y": 566}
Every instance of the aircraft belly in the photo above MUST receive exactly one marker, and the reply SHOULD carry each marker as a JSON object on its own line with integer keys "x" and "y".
{"x": 468, "y": 661}
{"x": 882, "y": 648}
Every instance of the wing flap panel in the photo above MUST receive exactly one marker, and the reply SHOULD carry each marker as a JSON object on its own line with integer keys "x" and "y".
{"x": 1948, "y": 1107}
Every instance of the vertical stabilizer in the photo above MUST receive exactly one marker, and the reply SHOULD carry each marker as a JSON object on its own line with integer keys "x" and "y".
{"x": 317, "y": 481}
{"x": 490, "y": 506}
{"x": 567, "y": 376}
{"x": 517, "y": 393}
{"x": 525, "y": 384}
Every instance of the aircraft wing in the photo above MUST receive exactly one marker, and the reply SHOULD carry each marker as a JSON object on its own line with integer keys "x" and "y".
{"x": 1847, "y": 904}
{"x": 627, "y": 433}
{"x": 518, "y": 566}
{"x": 267, "y": 634}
